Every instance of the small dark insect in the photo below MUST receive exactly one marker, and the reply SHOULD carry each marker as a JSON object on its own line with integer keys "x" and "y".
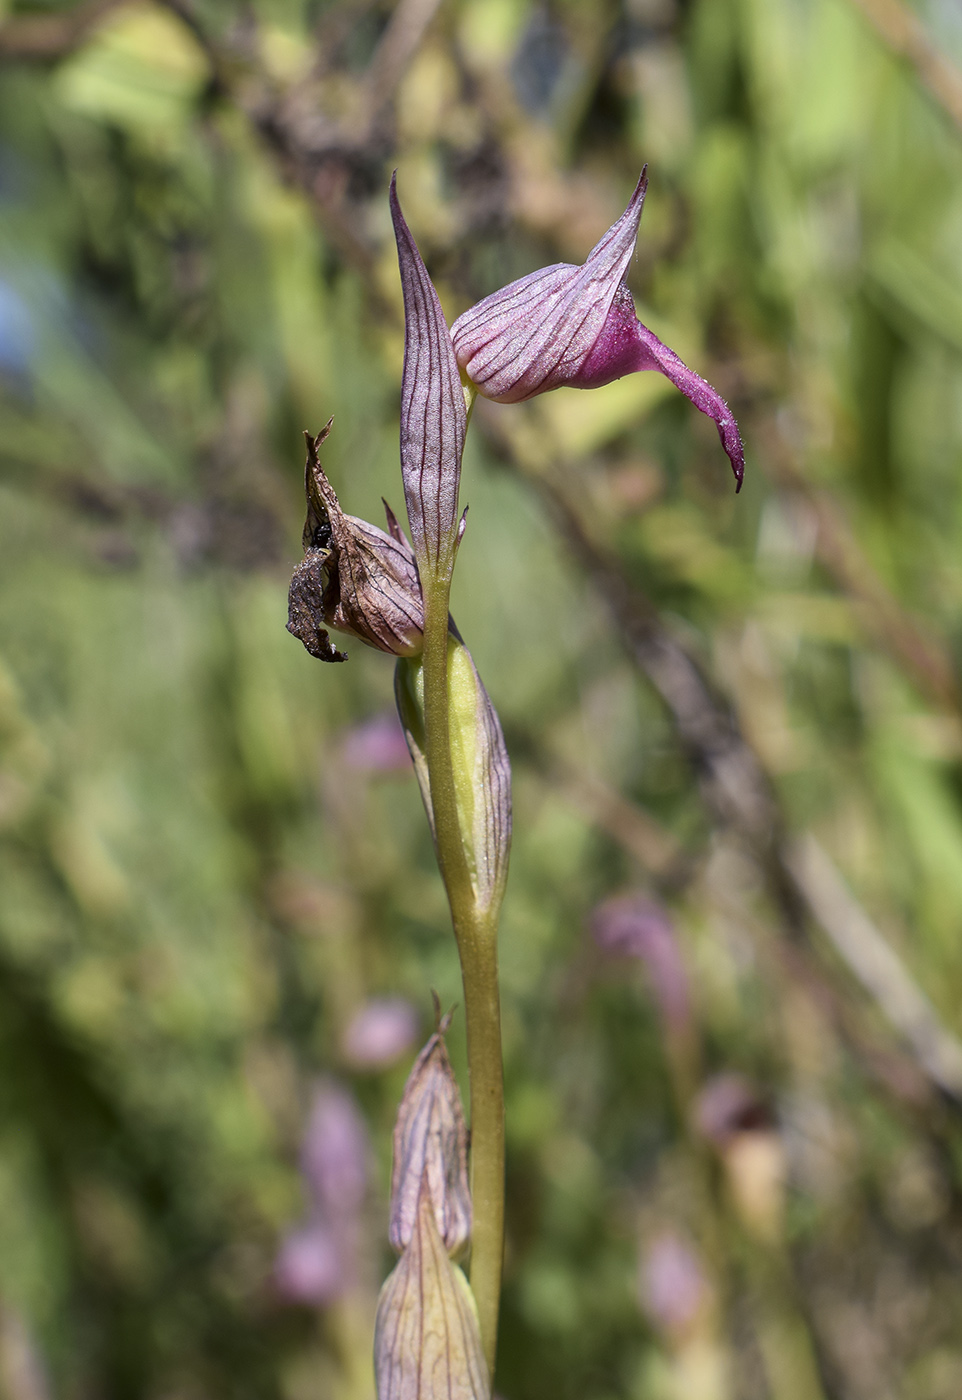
{"x": 321, "y": 535}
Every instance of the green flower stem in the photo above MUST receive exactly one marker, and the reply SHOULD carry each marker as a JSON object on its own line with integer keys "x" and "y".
{"x": 479, "y": 969}
{"x": 476, "y": 933}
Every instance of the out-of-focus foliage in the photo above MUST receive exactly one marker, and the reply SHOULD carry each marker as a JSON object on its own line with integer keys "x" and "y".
{"x": 205, "y": 872}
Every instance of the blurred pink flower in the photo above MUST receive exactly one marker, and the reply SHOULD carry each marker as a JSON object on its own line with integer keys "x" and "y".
{"x": 309, "y": 1267}
{"x": 376, "y": 745}
{"x": 672, "y": 1286}
{"x": 380, "y": 1031}
{"x": 729, "y": 1104}
{"x": 734, "y": 1117}
{"x": 334, "y": 1155}
{"x": 636, "y": 927}
{"x": 318, "y": 1260}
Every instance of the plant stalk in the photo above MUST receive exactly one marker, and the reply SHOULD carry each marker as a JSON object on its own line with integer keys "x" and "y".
{"x": 479, "y": 971}
{"x": 476, "y": 934}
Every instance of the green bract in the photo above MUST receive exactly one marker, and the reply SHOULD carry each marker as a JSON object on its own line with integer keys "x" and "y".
{"x": 482, "y": 774}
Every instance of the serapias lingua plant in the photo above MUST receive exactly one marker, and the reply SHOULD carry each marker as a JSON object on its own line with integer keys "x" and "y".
{"x": 560, "y": 326}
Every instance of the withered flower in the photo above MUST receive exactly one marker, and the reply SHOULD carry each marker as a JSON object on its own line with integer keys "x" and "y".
{"x": 354, "y": 578}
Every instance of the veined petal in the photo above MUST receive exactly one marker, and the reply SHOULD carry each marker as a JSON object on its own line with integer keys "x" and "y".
{"x": 533, "y": 334}
{"x": 427, "y": 1343}
{"x": 380, "y": 594}
{"x": 433, "y": 416}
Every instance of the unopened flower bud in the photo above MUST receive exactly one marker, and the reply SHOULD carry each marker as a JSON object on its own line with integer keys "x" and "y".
{"x": 576, "y": 326}
{"x": 431, "y": 1151}
{"x": 427, "y": 1342}
{"x": 482, "y": 771}
{"x": 354, "y": 577}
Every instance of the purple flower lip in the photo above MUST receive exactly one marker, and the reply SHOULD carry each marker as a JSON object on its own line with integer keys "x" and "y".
{"x": 727, "y": 1106}
{"x": 576, "y": 327}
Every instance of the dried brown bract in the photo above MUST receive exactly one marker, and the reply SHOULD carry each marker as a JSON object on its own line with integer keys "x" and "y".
{"x": 354, "y": 577}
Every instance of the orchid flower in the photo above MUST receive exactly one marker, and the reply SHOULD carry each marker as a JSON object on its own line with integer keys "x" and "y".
{"x": 576, "y": 326}
{"x": 462, "y": 767}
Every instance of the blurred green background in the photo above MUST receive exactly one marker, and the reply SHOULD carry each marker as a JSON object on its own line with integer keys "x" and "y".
{"x": 204, "y": 873}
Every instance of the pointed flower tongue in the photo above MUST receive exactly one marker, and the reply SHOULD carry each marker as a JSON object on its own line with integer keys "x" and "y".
{"x": 532, "y": 335}
{"x": 625, "y": 345}
{"x": 433, "y": 416}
